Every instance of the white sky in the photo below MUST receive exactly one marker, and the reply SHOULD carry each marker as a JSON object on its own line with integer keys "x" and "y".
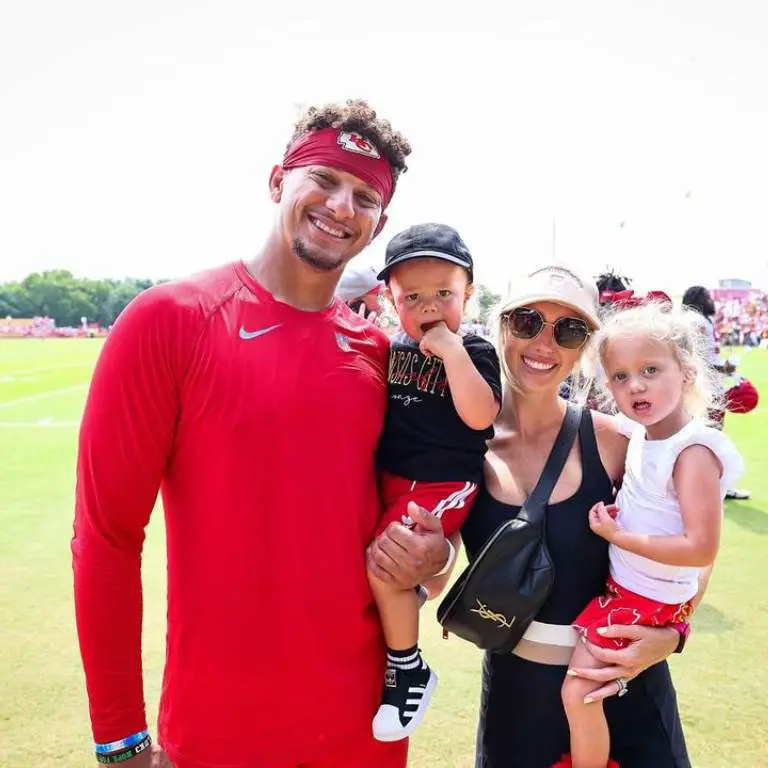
{"x": 136, "y": 136}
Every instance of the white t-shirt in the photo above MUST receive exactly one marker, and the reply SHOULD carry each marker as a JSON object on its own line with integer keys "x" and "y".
{"x": 708, "y": 329}
{"x": 648, "y": 504}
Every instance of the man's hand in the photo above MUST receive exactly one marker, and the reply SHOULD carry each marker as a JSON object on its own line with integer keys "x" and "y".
{"x": 440, "y": 341}
{"x": 407, "y": 557}
{"x": 648, "y": 646}
{"x": 602, "y": 521}
{"x": 154, "y": 758}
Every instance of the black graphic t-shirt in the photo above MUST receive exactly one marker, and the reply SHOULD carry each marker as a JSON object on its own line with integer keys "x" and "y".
{"x": 424, "y": 438}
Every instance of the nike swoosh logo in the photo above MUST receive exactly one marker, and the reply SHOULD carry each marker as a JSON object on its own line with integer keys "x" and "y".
{"x": 253, "y": 334}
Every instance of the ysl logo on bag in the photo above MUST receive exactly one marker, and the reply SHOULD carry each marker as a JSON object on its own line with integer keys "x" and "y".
{"x": 497, "y": 618}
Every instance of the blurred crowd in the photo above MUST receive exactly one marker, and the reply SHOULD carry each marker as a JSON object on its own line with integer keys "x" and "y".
{"x": 742, "y": 321}
{"x": 737, "y": 321}
{"x": 44, "y": 327}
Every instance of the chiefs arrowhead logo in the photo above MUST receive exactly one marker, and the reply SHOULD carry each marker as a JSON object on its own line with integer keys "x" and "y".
{"x": 354, "y": 142}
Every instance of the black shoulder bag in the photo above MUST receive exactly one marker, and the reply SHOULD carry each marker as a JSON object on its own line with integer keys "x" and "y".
{"x": 501, "y": 591}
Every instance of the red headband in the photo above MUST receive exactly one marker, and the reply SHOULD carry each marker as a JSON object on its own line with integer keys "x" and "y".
{"x": 628, "y": 299}
{"x": 346, "y": 151}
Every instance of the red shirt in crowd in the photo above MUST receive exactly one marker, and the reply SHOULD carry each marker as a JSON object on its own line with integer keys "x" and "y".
{"x": 259, "y": 423}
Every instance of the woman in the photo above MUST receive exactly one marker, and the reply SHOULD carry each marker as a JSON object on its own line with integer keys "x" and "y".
{"x": 542, "y": 331}
{"x": 698, "y": 298}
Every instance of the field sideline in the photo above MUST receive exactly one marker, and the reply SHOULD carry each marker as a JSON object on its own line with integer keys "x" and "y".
{"x": 722, "y": 678}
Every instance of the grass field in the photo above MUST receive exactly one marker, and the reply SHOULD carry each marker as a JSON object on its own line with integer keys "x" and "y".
{"x": 722, "y": 679}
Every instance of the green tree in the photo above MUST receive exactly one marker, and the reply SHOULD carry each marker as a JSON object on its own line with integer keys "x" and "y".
{"x": 15, "y": 301}
{"x": 486, "y": 301}
{"x": 59, "y": 294}
{"x": 119, "y": 297}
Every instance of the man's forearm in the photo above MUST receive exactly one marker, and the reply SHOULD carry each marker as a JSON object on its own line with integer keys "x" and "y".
{"x": 108, "y": 606}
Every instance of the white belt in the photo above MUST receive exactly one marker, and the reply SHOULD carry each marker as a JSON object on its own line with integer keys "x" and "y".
{"x": 551, "y": 634}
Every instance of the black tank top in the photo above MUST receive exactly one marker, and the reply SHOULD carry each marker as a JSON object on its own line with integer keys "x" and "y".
{"x": 522, "y": 721}
{"x": 580, "y": 558}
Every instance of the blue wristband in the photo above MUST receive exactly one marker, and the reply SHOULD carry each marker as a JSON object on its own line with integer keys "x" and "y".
{"x": 127, "y": 743}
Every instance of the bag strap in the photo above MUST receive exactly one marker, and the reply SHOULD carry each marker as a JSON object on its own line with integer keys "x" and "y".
{"x": 536, "y": 504}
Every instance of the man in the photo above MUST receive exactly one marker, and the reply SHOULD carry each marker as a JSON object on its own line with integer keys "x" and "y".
{"x": 698, "y": 298}
{"x": 609, "y": 284}
{"x": 253, "y": 400}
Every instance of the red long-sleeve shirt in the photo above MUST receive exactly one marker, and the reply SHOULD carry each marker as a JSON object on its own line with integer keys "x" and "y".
{"x": 258, "y": 422}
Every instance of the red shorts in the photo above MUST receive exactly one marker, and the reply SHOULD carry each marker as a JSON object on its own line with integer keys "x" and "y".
{"x": 620, "y": 606}
{"x": 449, "y": 501}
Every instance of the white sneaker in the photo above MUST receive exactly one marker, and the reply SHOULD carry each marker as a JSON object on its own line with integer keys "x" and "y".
{"x": 404, "y": 702}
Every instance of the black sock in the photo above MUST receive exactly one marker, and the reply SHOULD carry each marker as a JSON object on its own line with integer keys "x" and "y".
{"x": 406, "y": 660}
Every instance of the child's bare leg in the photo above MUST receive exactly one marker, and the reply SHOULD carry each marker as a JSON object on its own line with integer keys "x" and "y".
{"x": 399, "y": 612}
{"x": 590, "y": 740}
{"x": 408, "y": 681}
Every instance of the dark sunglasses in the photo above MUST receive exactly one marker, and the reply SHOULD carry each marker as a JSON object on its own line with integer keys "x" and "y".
{"x": 527, "y": 323}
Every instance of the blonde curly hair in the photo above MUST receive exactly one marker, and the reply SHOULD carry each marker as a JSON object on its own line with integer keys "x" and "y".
{"x": 678, "y": 328}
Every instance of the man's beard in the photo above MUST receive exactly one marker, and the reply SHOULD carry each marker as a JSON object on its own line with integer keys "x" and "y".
{"x": 317, "y": 259}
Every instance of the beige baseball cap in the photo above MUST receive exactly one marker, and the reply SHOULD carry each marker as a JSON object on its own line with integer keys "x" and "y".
{"x": 560, "y": 285}
{"x": 356, "y": 282}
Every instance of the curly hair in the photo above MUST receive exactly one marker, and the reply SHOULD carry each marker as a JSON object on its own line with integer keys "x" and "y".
{"x": 610, "y": 281}
{"x": 358, "y": 116}
{"x": 699, "y": 298}
{"x": 678, "y": 330}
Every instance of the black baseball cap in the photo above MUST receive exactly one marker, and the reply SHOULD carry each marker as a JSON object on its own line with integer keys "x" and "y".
{"x": 427, "y": 241}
